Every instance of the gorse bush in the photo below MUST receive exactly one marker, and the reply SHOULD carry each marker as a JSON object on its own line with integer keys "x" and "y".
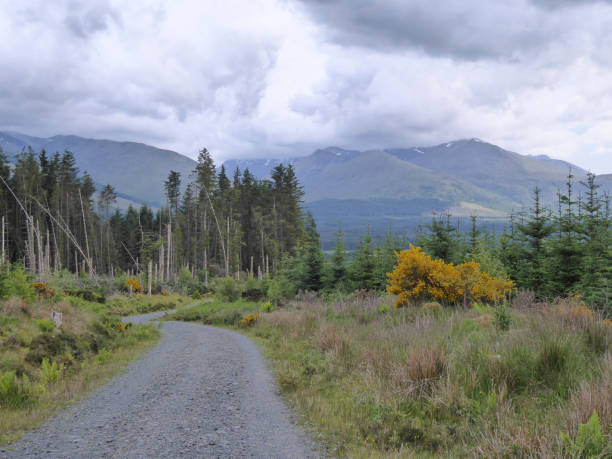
{"x": 249, "y": 320}
{"x": 44, "y": 290}
{"x": 134, "y": 284}
{"x": 418, "y": 277}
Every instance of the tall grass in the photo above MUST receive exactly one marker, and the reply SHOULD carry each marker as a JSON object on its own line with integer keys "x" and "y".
{"x": 434, "y": 381}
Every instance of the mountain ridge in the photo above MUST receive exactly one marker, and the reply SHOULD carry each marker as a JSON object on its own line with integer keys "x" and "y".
{"x": 377, "y": 187}
{"x": 119, "y": 163}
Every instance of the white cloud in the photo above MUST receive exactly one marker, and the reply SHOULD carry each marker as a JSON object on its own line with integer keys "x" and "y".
{"x": 282, "y": 77}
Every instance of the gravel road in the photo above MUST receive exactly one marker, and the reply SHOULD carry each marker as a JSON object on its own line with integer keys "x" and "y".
{"x": 202, "y": 392}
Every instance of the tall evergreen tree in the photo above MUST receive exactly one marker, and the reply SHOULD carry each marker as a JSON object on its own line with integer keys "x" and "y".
{"x": 536, "y": 231}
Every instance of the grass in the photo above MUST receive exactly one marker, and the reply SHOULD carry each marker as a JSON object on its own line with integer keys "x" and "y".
{"x": 216, "y": 312}
{"x": 428, "y": 381}
{"x": 122, "y": 305}
{"x": 43, "y": 368}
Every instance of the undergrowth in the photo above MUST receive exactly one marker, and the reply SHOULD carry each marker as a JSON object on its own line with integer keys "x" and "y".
{"x": 44, "y": 366}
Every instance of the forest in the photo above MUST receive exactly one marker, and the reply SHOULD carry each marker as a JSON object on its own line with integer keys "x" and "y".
{"x": 231, "y": 225}
{"x": 54, "y": 219}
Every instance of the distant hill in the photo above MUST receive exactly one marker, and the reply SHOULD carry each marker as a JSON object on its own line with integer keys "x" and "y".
{"x": 136, "y": 170}
{"x": 397, "y": 187}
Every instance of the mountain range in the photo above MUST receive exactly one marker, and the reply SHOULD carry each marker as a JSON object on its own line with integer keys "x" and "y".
{"x": 398, "y": 187}
{"x": 137, "y": 171}
{"x": 394, "y": 187}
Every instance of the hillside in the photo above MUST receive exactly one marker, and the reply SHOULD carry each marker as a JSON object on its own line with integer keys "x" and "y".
{"x": 492, "y": 168}
{"x": 397, "y": 187}
{"x": 136, "y": 170}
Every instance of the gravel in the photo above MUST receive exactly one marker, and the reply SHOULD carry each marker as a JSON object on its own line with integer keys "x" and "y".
{"x": 202, "y": 392}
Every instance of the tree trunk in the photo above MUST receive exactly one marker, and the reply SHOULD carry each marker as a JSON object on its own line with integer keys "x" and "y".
{"x": 150, "y": 276}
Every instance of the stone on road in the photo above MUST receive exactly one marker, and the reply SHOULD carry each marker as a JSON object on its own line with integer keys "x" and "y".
{"x": 202, "y": 392}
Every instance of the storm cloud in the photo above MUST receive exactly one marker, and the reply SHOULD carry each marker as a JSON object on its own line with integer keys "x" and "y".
{"x": 255, "y": 78}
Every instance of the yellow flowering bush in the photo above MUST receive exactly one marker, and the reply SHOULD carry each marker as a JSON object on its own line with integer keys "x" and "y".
{"x": 43, "y": 290}
{"x": 417, "y": 277}
{"x": 165, "y": 293}
{"x": 250, "y": 320}
{"x": 133, "y": 283}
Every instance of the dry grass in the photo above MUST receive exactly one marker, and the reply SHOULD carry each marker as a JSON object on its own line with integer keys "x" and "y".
{"x": 431, "y": 381}
{"x": 291, "y": 324}
{"x": 592, "y": 396}
{"x": 330, "y": 339}
{"x": 15, "y": 306}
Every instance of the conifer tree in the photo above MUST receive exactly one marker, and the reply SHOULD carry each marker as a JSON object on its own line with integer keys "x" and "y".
{"x": 362, "y": 267}
{"x": 566, "y": 257}
{"x": 536, "y": 231}
{"x": 338, "y": 262}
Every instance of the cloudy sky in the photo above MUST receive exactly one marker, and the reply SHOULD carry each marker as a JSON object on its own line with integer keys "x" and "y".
{"x": 279, "y": 78}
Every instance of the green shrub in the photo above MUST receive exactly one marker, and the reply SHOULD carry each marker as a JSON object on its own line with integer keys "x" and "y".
{"x": 185, "y": 280}
{"x": 15, "y": 394}
{"x": 51, "y": 345}
{"x": 503, "y": 319}
{"x": 267, "y": 307}
{"x": 119, "y": 284}
{"x": 590, "y": 440}
{"x": 555, "y": 355}
{"x": 281, "y": 290}
{"x": 516, "y": 367}
{"x": 15, "y": 281}
{"x": 88, "y": 294}
{"x": 251, "y": 290}
{"x": 45, "y": 326}
{"x": 227, "y": 290}
{"x": 227, "y": 317}
{"x": 103, "y": 356}
{"x": 49, "y": 372}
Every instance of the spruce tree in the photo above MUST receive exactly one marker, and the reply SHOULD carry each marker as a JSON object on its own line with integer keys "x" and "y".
{"x": 596, "y": 263}
{"x": 362, "y": 267}
{"x": 536, "y": 230}
{"x": 338, "y": 262}
{"x": 312, "y": 259}
{"x": 566, "y": 256}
